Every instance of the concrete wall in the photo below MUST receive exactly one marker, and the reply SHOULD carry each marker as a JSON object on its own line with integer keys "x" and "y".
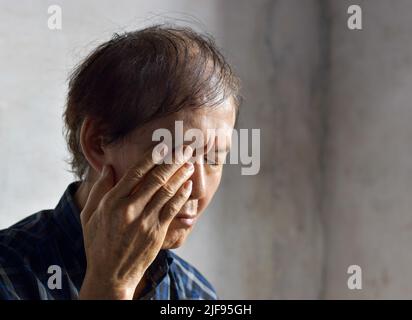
{"x": 269, "y": 224}
{"x": 368, "y": 189}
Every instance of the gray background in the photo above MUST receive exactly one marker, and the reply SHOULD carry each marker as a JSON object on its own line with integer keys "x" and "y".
{"x": 333, "y": 107}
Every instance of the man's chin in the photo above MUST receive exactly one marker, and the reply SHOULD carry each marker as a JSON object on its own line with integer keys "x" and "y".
{"x": 175, "y": 237}
{"x": 173, "y": 245}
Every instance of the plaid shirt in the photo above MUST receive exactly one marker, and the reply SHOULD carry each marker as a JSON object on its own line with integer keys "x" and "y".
{"x": 54, "y": 238}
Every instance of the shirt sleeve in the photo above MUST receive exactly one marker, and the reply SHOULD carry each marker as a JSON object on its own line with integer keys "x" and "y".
{"x": 16, "y": 279}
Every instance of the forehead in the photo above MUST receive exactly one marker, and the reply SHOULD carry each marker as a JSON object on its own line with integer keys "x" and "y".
{"x": 217, "y": 117}
{"x": 205, "y": 119}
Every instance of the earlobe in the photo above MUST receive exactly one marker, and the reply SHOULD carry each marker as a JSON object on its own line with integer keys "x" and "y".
{"x": 91, "y": 144}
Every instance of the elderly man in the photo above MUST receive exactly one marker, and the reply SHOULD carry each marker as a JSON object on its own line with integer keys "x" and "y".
{"x": 110, "y": 235}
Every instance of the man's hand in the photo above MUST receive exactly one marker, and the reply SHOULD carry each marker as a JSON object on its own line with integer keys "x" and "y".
{"x": 124, "y": 226}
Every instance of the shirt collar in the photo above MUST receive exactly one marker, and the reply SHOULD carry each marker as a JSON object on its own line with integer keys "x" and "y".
{"x": 67, "y": 216}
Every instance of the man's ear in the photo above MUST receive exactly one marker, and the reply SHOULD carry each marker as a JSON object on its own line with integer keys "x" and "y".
{"x": 91, "y": 144}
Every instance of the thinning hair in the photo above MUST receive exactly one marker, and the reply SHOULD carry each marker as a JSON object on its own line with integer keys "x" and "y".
{"x": 142, "y": 75}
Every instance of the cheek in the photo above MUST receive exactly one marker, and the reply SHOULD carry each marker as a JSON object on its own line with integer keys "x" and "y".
{"x": 121, "y": 160}
{"x": 119, "y": 170}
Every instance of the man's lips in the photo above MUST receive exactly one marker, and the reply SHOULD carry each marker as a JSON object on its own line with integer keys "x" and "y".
{"x": 188, "y": 214}
{"x": 185, "y": 215}
{"x": 186, "y": 219}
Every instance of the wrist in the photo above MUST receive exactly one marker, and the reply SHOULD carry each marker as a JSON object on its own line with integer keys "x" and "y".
{"x": 95, "y": 289}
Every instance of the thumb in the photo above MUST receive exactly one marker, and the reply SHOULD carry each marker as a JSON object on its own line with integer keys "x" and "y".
{"x": 103, "y": 185}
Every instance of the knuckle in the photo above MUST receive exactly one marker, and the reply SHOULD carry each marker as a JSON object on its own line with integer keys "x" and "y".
{"x": 150, "y": 233}
{"x": 181, "y": 196}
{"x": 137, "y": 173}
{"x": 134, "y": 175}
{"x": 168, "y": 191}
{"x": 129, "y": 214}
{"x": 172, "y": 208}
{"x": 144, "y": 227}
{"x": 158, "y": 178}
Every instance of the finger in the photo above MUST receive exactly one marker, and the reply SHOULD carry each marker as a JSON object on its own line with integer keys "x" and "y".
{"x": 102, "y": 186}
{"x": 158, "y": 177}
{"x": 135, "y": 174}
{"x": 168, "y": 191}
{"x": 174, "y": 205}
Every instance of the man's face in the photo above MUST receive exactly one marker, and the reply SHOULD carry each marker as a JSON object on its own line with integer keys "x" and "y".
{"x": 206, "y": 176}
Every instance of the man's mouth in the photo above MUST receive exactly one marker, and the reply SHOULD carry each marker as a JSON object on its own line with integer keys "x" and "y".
{"x": 187, "y": 216}
{"x": 188, "y": 222}
{"x": 184, "y": 215}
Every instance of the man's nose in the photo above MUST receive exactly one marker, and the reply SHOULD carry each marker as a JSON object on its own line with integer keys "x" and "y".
{"x": 199, "y": 181}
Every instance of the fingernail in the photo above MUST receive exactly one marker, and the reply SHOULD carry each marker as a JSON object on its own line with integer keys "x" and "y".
{"x": 189, "y": 166}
